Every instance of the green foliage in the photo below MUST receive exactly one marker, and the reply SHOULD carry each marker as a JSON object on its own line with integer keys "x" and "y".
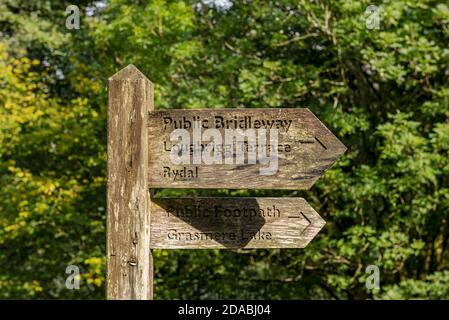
{"x": 384, "y": 93}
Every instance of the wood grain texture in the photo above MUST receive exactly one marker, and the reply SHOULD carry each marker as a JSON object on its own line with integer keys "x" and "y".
{"x": 306, "y": 149}
{"x": 219, "y": 223}
{"x": 129, "y": 261}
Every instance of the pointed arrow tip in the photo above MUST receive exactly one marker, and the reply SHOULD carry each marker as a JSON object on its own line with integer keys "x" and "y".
{"x": 316, "y": 223}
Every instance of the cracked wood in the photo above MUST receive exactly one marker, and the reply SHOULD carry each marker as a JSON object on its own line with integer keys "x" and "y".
{"x": 129, "y": 260}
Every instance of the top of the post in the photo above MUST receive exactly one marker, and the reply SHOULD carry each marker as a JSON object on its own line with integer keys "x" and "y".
{"x": 130, "y": 72}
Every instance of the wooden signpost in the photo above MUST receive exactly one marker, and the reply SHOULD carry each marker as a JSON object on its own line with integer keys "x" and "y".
{"x": 306, "y": 148}
{"x": 141, "y": 144}
{"x": 220, "y": 223}
{"x": 129, "y": 259}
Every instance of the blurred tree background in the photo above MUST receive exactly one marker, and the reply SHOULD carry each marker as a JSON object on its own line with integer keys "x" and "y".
{"x": 384, "y": 92}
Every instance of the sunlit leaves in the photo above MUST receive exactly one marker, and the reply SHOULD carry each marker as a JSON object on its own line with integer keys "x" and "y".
{"x": 384, "y": 92}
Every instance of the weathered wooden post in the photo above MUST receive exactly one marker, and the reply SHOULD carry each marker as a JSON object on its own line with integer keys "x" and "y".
{"x": 129, "y": 258}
